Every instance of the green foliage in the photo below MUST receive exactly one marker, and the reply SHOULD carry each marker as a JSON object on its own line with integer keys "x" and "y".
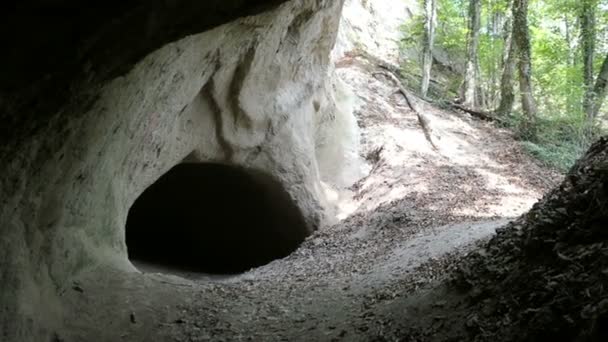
{"x": 450, "y": 31}
{"x": 560, "y": 156}
{"x": 562, "y": 128}
{"x": 560, "y": 140}
{"x": 452, "y": 26}
{"x": 412, "y": 32}
{"x": 558, "y": 83}
{"x": 450, "y": 35}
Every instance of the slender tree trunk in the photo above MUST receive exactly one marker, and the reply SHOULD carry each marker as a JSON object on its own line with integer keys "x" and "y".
{"x": 569, "y": 40}
{"x": 601, "y": 88}
{"x": 480, "y": 91}
{"x": 469, "y": 86}
{"x": 430, "y": 13}
{"x": 587, "y": 21}
{"x": 495, "y": 22}
{"x": 521, "y": 38}
{"x": 507, "y": 97}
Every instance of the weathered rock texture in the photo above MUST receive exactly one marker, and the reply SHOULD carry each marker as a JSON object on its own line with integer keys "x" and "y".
{"x": 373, "y": 26}
{"x": 90, "y": 125}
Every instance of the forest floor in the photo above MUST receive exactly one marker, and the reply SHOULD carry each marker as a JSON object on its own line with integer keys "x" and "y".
{"x": 408, "y": 224}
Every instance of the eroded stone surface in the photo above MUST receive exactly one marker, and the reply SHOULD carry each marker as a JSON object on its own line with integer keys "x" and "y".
{"x": 252, "y": 92}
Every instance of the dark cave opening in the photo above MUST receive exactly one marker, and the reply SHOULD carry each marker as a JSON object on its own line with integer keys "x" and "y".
{"x": 213, "y": 218}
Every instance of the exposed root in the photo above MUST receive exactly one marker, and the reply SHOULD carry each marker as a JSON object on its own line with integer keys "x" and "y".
{"x": 422, "y": 119}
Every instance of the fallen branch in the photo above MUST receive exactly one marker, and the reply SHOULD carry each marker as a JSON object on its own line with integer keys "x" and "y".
{"x": 423, "y": 120}
{"x": 476, "y": 113}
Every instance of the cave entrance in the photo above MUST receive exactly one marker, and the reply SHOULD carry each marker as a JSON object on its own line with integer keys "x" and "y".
{"x": 213, "y": 218}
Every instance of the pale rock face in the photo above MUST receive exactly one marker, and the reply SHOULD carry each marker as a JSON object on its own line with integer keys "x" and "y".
{"x": 338, "y": 137}
{"x": 253, "y": 92}
{"x": 373, "y": 25}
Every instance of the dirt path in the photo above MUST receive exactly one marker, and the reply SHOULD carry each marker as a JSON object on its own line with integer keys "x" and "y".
{"x": 334, "y": 288}
{"x": 477, "y": 171}
{"x": 409, "y": 220}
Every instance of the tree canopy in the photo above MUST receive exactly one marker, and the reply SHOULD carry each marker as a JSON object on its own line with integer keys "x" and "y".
{"x": 567, "y": 69}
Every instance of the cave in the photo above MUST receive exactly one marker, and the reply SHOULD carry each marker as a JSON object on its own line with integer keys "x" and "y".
{"x": 265, "y": 170}
{"x": 213, "y": 218}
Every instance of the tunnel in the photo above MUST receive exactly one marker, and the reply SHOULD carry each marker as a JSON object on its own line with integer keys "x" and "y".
{"x": 213, "y": 218}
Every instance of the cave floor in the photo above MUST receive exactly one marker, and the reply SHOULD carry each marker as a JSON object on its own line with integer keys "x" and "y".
{"x": 406, "y": 225}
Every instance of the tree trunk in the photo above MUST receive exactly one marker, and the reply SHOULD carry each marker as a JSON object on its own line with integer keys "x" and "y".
{"x": 430, "y": 13}
{"x": 508, "y": 67}
{"x": 601, "y": 88}
{"x": 495, "y": 23}
{"x": 521, "y": 38}
{"x": 587, "y": 20}
{"x": 569, "y": 40}
{"x": 469, "y": 85}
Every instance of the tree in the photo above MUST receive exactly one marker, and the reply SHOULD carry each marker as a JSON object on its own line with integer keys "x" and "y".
{"x": 499, "y": 42}
{"x": 569, "y": 40}
{"x": 521, "y": 39}
{"x": 470, "y": 96}
{"x": 601, "y": 89}
{"x": 508, "y": 66}
{"x": 491, "y": 67}
{"x": 587, "y": 22}
{"x": 430, "y": 14}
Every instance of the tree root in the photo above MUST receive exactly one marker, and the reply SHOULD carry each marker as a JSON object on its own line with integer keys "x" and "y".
{"x": 423, "y": 120}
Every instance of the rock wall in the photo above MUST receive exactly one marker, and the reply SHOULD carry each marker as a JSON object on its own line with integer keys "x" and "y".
{"x": 376, "y": 28}
{"x": 250, "y": 92}
{"x": 373, "y": 26}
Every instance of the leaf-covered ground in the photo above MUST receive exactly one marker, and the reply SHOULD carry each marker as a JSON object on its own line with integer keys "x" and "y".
{"x": 543, "y": 277}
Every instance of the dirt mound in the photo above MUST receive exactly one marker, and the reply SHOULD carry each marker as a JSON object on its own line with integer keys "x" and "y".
{"x": 543, "y": 277}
